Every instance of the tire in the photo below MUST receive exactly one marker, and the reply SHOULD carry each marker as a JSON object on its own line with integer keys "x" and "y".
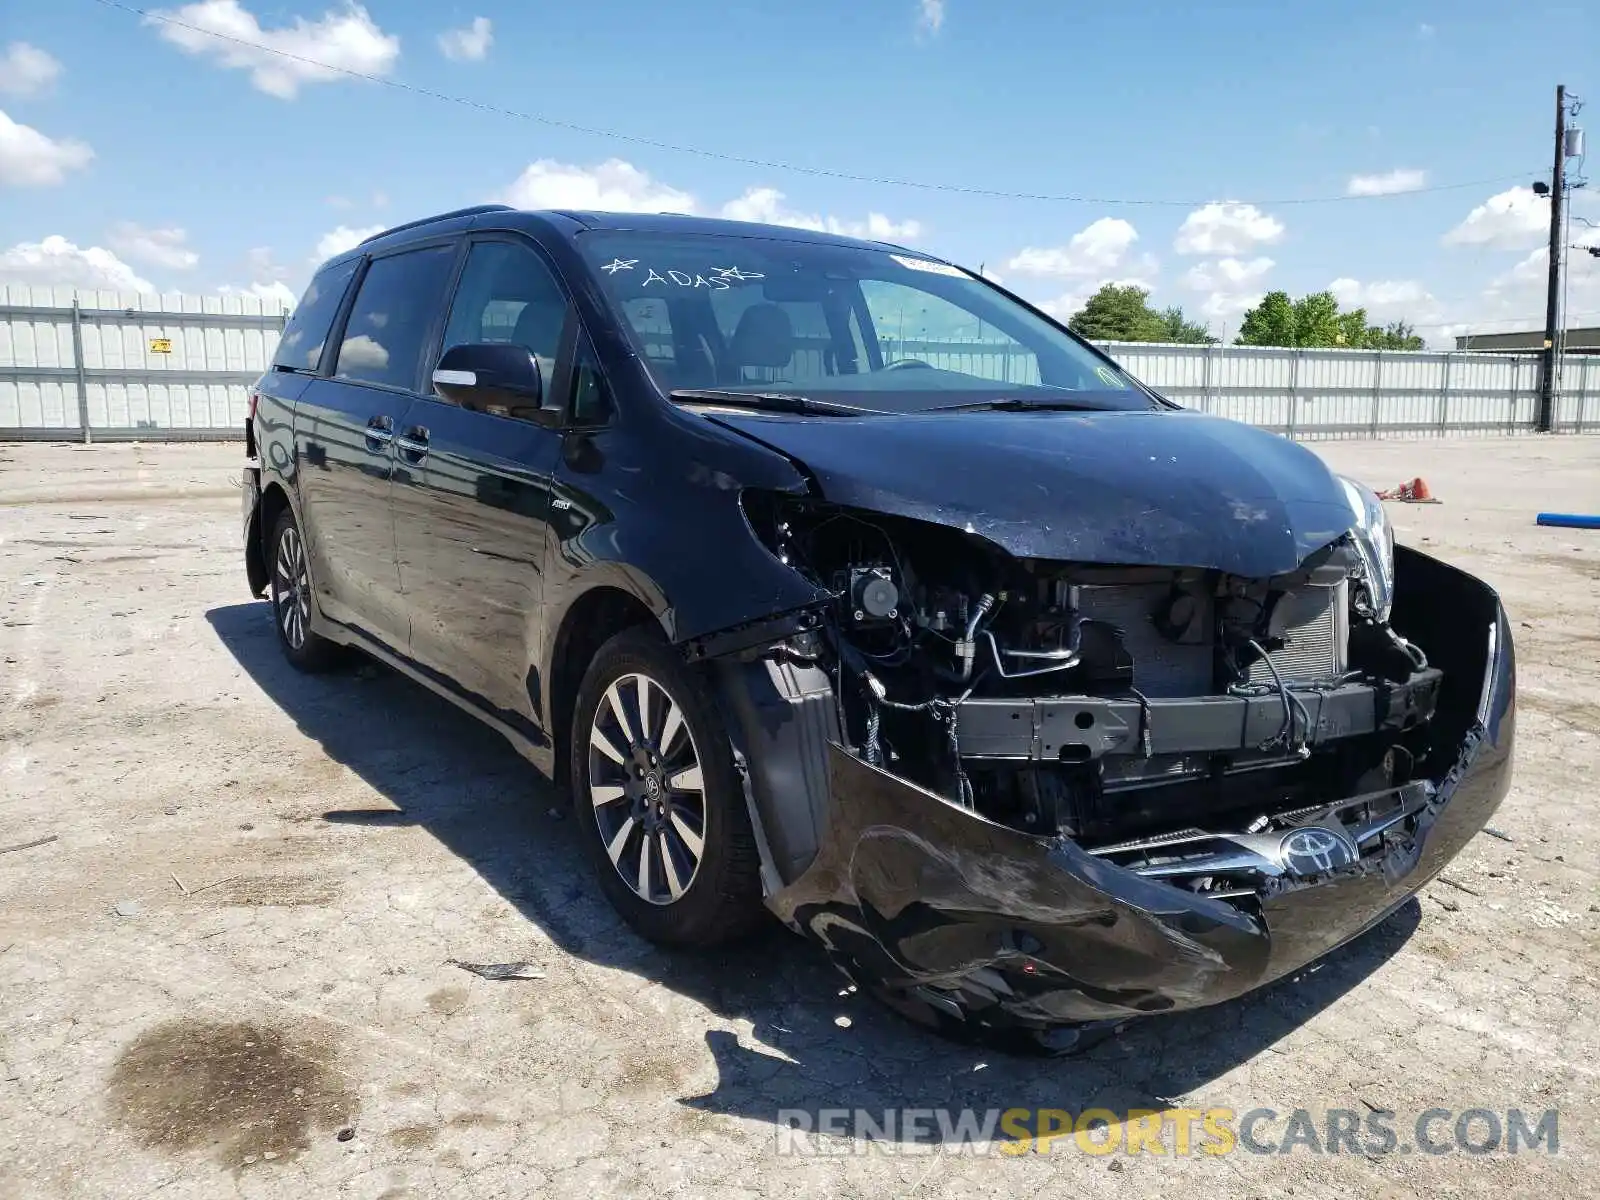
{"x": 634, "y": 797}
{"x": 289, "y": 590}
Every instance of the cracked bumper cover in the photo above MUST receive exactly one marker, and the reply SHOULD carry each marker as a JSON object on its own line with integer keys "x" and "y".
{"x": 960, "y": 917}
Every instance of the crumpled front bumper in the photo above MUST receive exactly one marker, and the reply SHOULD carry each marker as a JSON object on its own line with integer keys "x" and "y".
{"x": 953, "y": 917}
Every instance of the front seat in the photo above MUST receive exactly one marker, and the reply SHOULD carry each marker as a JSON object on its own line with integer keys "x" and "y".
{"x": 764, "y": 338}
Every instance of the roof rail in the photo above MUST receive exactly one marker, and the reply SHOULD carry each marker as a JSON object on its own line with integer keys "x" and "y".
{"x": 472, "y": 211}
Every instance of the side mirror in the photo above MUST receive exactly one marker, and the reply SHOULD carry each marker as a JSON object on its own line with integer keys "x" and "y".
{"x": 498, "y": 378}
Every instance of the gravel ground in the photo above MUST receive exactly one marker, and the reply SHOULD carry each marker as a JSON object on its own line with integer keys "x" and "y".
{"x": 235, "y": 968}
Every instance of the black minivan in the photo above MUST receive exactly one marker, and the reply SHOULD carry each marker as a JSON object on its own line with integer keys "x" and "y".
{"x": 836, "y": 580}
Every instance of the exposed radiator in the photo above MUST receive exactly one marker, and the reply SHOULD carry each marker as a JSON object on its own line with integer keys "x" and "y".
{"x": 1160, "y": 667}
{"x": 1312, "y": 622}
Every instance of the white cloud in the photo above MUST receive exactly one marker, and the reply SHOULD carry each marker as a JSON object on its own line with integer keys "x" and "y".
{"x": 930, "y": 17}
{"x": 1227, "y": 274}
{"x": 28, "y": 158}
{"x": 56, "y": 261}
{"x": 1401, "y": 179}
{"x": 1511, "y": 220}
{"x": 342, "y": 238}
{"x": 1092, "y": 250}
{"x": 276, "y": 294}
{"x": 470, "y": 44}
{"x": 1425, "y": 30}
{"x": 324, "y": 51}
{"x": 27, "y": 70}
{"x": 618, "y": 186}
{"x": 1382, "y": 296}
{"x": 362, "y": 351}
{"x": 765, "y": 205}
{"x": 158, "y": 247}
{"x": 1231, "y": 285}
{"x": 1226, "y": 227}
{"x": 263, "y": 264}
{"x": 613, "y": 186}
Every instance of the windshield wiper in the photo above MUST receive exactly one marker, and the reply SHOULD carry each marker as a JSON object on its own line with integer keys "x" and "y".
{"x": 1022, "y": 404}
{"x": 770, "y": 402}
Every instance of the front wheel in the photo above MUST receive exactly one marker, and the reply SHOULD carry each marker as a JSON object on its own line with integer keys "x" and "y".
{"x": 658, "y": 800}
{"x": 290, "y": 591}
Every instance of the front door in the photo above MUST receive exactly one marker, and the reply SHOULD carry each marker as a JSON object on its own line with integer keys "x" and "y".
{"x": 344, "y": 434}
{"x": 472, "y": 493}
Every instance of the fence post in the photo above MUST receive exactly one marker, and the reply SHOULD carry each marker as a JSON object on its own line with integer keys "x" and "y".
{"x": 1294, "y": 388}
{"x": 1444, "y": 394}
{"x": 77, "y": 369}
{"x": 1583, "y": 395}
{"x": 1205, "y": 380}
{"x": 1377, "y": 389}
{"x": 1516, "y": 389}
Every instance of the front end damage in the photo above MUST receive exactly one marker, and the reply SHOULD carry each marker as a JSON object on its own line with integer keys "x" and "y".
{"x": 1014, "y": 796}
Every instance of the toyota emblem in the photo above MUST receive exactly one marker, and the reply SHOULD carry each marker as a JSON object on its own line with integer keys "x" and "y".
{"x": 1315, "y": 851}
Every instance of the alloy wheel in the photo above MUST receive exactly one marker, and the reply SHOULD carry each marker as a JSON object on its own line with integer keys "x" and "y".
{"x": 291, "y": 588}
{"x": 647, "y": 788}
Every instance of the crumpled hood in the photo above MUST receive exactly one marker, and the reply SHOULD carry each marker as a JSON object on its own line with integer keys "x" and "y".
{"x": 1131, "y": 488}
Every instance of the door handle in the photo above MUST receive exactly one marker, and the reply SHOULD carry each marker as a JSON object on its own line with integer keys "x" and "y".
{"x": 380, "y": 432}
{"x": 413, "y": 444}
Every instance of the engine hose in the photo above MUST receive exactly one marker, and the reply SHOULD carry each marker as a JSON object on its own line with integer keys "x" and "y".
{"x": 1287, "y": 735}
{"x": 871, "y": 750}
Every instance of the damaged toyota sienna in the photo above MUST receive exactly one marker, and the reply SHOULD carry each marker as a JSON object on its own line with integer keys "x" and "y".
{"x": 835, "y": 580}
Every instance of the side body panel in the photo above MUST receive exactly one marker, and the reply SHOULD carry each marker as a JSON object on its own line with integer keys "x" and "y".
{"x": 470, "y": 522}
{"x": 343, "y": 438}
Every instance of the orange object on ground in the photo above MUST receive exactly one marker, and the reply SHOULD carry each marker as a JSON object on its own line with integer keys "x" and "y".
{"x": 1414, "y": 492}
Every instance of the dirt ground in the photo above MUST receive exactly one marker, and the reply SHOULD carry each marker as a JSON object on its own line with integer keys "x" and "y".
{"x": 233, "y": 968}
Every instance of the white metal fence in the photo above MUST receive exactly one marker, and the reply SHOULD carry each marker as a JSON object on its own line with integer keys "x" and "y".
{"x": 108, "y": 365}
{"x": 117, "y": 365}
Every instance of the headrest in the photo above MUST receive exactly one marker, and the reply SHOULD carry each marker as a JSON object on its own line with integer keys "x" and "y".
{"x": 764, "y": 337}
{"x": 539, "y": 326}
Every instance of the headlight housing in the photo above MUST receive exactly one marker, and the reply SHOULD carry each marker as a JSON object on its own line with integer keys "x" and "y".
{"x": 1374, "y": 538}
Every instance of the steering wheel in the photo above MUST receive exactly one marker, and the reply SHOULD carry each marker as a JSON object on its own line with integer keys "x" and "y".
{"x": 902, "y": 364}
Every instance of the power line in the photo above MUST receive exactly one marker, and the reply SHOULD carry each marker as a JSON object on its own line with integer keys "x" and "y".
{"x": 769, "y": 164}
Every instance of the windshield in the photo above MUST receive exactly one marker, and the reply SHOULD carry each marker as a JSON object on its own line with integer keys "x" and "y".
{"x": 879, "y": 330}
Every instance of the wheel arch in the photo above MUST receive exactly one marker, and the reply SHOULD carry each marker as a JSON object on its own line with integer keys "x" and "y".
{"x": 257, "y": 553}
{"x": 592, "y": 619}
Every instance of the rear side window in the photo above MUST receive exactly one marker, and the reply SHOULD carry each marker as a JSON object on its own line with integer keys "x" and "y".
{"x": 303, "y": 337}
{"x": 392, "y": 315}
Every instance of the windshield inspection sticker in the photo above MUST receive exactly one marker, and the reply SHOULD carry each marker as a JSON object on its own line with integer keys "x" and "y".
{"x": 932, "y": 268}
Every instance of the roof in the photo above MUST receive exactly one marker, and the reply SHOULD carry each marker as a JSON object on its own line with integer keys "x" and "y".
{"x": 684, "y": 223}
{"x": 511, "y": 218}
{"x": 1577, "y": 341}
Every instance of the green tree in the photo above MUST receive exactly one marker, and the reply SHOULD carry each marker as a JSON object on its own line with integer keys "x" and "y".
{"x": 1270, "y": 323}
{"x": 1117, "y": 314}
{"x": 1175, "y": 327}
{"x": 1396, "y": 335}
{"x": 1315, "y": 320}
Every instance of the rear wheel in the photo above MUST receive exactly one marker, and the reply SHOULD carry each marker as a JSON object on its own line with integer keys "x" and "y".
{"x": 290, "y": 591}
{"x": 658, "y": 799}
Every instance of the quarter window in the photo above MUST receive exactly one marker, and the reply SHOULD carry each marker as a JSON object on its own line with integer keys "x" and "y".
{"x": 390, "y": 319}
{"x": 305, "y": 334}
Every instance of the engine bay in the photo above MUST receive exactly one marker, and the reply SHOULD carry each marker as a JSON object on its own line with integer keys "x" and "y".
{"x": 1108, "y": 704}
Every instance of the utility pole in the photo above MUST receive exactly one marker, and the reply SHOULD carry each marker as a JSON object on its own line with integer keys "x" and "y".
{"x": 1558, "y": 181}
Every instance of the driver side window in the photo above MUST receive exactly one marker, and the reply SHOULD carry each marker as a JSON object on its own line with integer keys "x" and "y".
{"x": 507, "y": 294}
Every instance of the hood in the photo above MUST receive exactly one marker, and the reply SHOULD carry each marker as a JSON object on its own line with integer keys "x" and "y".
{"x": 1140, "y": 488}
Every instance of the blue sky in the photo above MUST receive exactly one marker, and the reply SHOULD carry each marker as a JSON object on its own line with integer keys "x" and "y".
{"x": 140, "y": 153}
